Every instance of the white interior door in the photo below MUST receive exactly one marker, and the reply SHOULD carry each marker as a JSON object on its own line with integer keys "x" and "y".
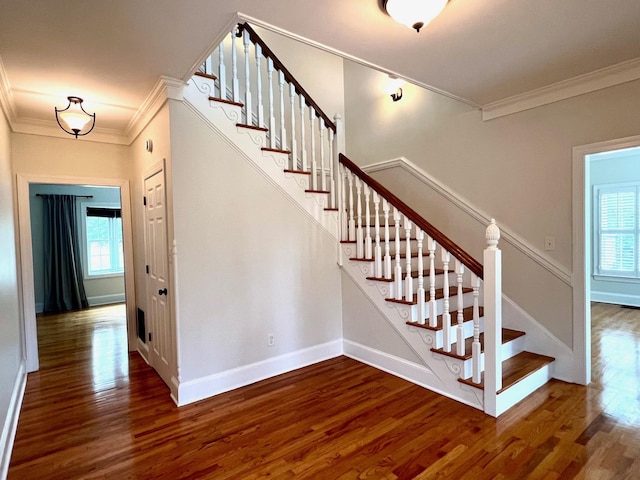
{"x": 160, "y": 336}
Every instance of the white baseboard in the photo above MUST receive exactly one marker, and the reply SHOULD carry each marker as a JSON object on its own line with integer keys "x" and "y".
{"x": 201, "y": 388}
{"x": 10, "y": 426}
{"x": 106, "y": 299}
{"x": 616, "y": 298}
{"x": 399, "y": 367}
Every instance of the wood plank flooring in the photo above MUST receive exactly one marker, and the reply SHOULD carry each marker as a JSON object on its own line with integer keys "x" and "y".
{"x": 95, "y": 411}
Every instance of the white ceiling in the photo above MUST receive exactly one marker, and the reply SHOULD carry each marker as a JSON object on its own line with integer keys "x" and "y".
{"x": 112, "y": 53}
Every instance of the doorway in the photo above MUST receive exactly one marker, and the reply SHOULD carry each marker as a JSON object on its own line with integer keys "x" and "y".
{"x": 24, "y": 183}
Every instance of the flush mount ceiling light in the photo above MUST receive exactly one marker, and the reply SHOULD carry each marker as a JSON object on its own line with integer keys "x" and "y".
{"x": 414, "y": 13}
{"x": 75, "y": 117}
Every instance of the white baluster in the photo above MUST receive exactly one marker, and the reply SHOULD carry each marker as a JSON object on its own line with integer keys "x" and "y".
{"x": 234, "y": 67}
{"x": 420, "y": 293}
{"x": 292, "y": 115}
{"x": 460, "y": 347}
{"x": 248, "y": 108}
{"x": 492, "y": 318}
{"x": 408, "y": 281}
{"x": 446, "y": 315}
{"x": 259, "y": 82}
{"x": 303, "y": 140}
{"x": 222, "y": 73}
{"x": 398, "y": 268}
{"x": 323, "y": 173}
{"x": 208, "y": 65}
{"x": 283, "y": 131}
{"x": 359, "y": 230}
{"x": 272, "y": 115}
{"x": 387, "y": 247}
{"x": 314, "y": 165}
{"x": 433, "y": 305}
{"x": 344, "y": 214}
{"x": 367, "y": 217}
{"x": 377, "y": 251}
{"x": 476, "y": 348}
{"x": 352, "y": 223}
{"x": 332, "y": 181}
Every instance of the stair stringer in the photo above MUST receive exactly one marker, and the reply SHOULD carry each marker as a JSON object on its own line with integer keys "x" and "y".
{"x": 441, "y": 372}
{"x": 223, "y": 118}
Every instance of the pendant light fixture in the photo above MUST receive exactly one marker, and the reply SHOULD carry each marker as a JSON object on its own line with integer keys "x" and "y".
{"x": 414, "y": 13}
{"x": 75, "y": 117}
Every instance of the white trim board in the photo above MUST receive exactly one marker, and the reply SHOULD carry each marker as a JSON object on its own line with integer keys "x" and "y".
{"x": 482, "y": 217}
{"x": 205, "y": 387}
{"x": 616, "y": 298}
{"x": 8, "y": 434}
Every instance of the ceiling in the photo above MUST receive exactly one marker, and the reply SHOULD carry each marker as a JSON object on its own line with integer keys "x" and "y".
{"x": 112, "y": 53}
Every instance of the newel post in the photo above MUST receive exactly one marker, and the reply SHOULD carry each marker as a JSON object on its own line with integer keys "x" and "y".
{"x": 492, "y": 319}
{"x": 338, "y": 147}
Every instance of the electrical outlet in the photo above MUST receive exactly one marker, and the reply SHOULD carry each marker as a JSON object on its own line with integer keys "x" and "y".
{"x": 550, "y": 243}
{"x": 271, "y": 339}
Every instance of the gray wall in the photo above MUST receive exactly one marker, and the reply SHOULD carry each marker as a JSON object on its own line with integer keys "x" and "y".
{"x": 99, "y": 291}
{"x": 615, "y": 167}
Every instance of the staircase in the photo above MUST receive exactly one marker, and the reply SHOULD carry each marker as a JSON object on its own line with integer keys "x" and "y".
{"x": 445, "y": 305}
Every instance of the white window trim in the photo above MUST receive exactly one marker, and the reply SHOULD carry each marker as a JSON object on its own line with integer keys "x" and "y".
{"x": 83, "y": 246}
{"x": 609, "y": 275}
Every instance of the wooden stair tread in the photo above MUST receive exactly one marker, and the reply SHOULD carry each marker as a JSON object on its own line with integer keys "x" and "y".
{"x": 347, "y": 241}
{"x": 515, "y": 369}
{"x": 507, "y": 336}
{"x": 453, "y": 292}
{"x": 252, "y": 127}
{"x": 276, "y": 150}
{"x": 300, "y": 172}
{"x": 467, "y": 312}
{"x": 425, "y": 273}
{"x": 224, "y": 100}
{"x": 206, "y": 75}
{"x": 328, "y": 209}
{"x": 317, "y": 191}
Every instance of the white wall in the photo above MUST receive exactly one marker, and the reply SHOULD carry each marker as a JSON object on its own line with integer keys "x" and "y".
{"x": 607, "y": 168}
{"x": 12, "y": 372}
{"x": 516, "y": 168}
{"x": 99, "y": 290}
{"x": 249, "y": 262}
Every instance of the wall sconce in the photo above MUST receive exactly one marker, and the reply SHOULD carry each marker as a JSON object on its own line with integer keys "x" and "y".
{"x": 394, "y": 87}
{"x": 75, "y": 117}
{"x": 414, "y": 13}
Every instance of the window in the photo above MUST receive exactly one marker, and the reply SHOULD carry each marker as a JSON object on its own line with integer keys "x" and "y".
{"x": 617, "y": 230}
{"x": 105, "y": 254}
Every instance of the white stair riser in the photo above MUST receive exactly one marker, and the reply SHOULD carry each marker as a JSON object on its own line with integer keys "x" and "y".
{"x": 509, "y": 349}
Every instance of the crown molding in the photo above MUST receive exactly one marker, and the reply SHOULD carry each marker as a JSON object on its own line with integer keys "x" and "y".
{"x": 48, "y": 128}
{"x": 7, "y": 104}
{"x": 590, "y": 82}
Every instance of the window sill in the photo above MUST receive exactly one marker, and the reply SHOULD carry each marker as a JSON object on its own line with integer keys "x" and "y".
{"x": 613, "y": 278}
{"x": 104, "y": 275}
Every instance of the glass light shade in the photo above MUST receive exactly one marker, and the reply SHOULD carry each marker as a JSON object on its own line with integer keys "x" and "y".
{"x": 414, "y": 13}
{"x": 394, "y": 84}
{"x": 75, "y": 120}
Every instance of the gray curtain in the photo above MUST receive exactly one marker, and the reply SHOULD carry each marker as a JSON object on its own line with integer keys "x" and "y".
{"x": 63, "y": 287}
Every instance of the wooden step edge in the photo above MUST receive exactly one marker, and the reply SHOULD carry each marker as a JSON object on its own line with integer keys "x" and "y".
{"x": 328, "y": 209}
{"x": 228, "y": 102}
{"x": 508, "y": 335}
{"x": 347, "y": 241}
{"x": 468, "y": 318}
{"x": 453, "y": 292}
{"x": 252, "y": 127}
{"x": 356, "y": 259}
{"x": 277, "y": 150}
{"x": 317, "y": 191}
{"x": 426, "y": 326}
{"x": 298, "y": 172}
{"x": 206, "y": 75}
{"x": 515, "y": 369}
{"x": 413, "y": 274}
{"x": 381, "y": 279}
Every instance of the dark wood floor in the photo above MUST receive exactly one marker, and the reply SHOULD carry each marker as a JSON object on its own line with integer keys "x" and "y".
{"x": 94, "y": 411}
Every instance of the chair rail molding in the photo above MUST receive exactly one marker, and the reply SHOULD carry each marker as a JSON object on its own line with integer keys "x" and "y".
{"x": 482, "y": 217}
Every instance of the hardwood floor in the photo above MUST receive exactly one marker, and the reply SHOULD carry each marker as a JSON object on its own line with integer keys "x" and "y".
{"x": 94, "y": 411}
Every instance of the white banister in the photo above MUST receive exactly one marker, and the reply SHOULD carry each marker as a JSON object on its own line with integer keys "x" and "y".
{"x": 368, "y": 247}
{"x": 398, "y": 268}
{"x": 323, "y": 173}
{"x": 222, "y": 73}
{"x": 332, "y": 180}
{"x": 377, "y": 251}
{"x": 476, "y": 348}
{"x": 408, "y": 281}
{"x": 446, "y": 315}
{"x": 283, "y": 130}
{"x": 359, "y": 230}
{"x": 492, "y": 318}
{"x": 248, "y": 108}
{"x": 344, "y": 213}
{"x": 259, "y": 82}
{"x": 208, "y": 65}
{"x": 352, "y": 222}
{"x": 420, "y": 292}
{"x": 433, "y": 308}
{"x": 460, "y": 347}
{"x": 303, "y": 140}
{"x": 272, "y": 115}
{"x": 387, "y": 247}
{"x": 314, "y": 164}
{"x": 292, "y": 117}
{"x": 234, "y": 66}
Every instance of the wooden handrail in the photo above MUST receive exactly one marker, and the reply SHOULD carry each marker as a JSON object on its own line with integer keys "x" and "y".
{"x": 442, "y": 240}
{"x": 266, "y": 51}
